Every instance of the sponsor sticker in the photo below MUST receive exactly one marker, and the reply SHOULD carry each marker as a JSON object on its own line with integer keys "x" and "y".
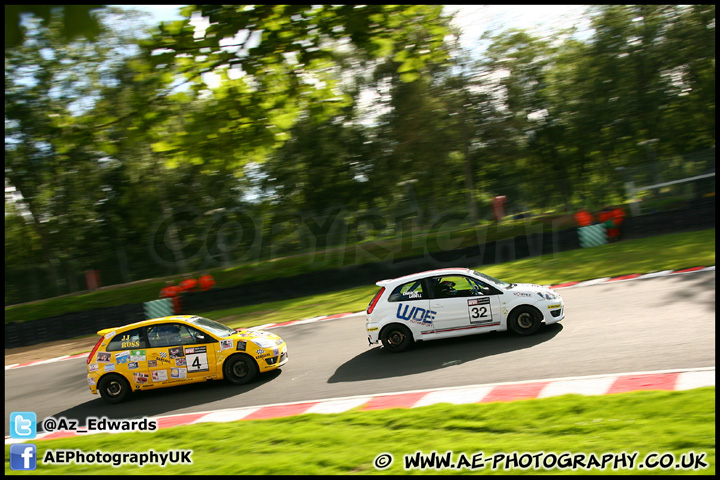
{"x": 122, "y": 357}
{"x": 137, "y": 355}
{"x": 416, "y": 314}
{"x": 176, "y": 352}
{"x": 104, "y": 357}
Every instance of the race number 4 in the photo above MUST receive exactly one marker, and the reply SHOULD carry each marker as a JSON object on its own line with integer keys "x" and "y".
{"x": 197, "y": 360}
{"x": 479, "y": 310}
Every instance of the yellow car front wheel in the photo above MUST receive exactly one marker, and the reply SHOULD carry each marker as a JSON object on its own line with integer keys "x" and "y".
{"x": 240, "y": 369}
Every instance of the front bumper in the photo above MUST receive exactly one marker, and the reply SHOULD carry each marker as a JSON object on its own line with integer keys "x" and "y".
{"x": 277, "y": 360}
{"x": 554, "y": 312}
{"x": 283, "y": 357}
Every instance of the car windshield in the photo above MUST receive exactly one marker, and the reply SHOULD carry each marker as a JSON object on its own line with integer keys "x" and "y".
{"x": 212, "y": 326}
{"x": 492, "y": 279}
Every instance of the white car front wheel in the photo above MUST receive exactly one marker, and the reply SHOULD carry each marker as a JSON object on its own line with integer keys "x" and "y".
{"x": 524, "y": 320}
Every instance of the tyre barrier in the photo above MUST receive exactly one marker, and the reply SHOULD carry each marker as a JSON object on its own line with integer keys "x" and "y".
{"x": 70, "y": 325}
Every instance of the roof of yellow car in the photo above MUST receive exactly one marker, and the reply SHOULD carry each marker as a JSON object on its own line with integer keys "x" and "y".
{"x": 148, "y": 321}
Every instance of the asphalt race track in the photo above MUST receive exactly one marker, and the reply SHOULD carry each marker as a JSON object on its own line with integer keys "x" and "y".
{"x": 626, "y": 326}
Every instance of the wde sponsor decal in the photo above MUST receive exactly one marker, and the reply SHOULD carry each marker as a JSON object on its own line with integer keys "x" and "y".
{"x": 417, "y": 314}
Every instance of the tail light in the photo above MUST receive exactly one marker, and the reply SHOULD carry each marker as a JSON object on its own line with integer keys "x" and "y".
{"x": 97, "y": 345}
{"x": 371, "y": 307}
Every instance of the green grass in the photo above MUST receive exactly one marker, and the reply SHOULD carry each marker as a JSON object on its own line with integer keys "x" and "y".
{"x": 347, "y": 443}
{"x": 666, "y": 252}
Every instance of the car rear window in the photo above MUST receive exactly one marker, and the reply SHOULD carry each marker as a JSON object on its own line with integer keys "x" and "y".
{"x": 408, "y": 291}
{"x": 130, "y": 340}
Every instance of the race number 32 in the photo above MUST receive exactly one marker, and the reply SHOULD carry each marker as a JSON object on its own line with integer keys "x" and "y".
{"x": 479, "y": 310}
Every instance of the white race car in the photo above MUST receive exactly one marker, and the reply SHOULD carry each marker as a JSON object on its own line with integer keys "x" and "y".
{"x": 452, "y": 302}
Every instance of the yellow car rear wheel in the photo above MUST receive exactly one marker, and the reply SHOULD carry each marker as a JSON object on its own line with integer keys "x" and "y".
{"x": 114, "y": 388}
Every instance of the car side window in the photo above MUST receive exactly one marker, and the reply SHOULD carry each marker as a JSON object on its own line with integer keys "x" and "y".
{"x": 481, "y": 288}
{"x": 408, "y": 291}
{"x": 164, "y": 335}
{"x": 452, "y": 286}
{"x": 193, "y": 336}
{"x": 132, "y": 339}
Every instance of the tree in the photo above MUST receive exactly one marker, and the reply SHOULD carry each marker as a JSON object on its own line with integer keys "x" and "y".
{"x": 532, "y": 167}
{"x": 78, "y": 20}
{"x": 51, "y": 159}
{"x": 278, "y": 62}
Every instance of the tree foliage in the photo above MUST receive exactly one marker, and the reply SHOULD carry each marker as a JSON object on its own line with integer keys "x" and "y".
{"x": 77, "y": 20}
{"x": 278, "y": 62}
{"x": 253, "y": 137}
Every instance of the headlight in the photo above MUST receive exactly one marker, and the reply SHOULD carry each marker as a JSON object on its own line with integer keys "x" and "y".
{"x": 547, "y": 295}
{"x": 263, "y": 342}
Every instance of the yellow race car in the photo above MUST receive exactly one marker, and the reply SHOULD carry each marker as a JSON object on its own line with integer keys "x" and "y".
{"x": 177, "y": 350}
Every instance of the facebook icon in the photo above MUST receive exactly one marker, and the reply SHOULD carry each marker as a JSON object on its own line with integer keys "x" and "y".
{"x": 23, "y": 456}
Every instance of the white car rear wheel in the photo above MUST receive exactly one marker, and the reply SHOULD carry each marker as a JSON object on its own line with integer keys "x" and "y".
{"x": 396, "y": 338}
